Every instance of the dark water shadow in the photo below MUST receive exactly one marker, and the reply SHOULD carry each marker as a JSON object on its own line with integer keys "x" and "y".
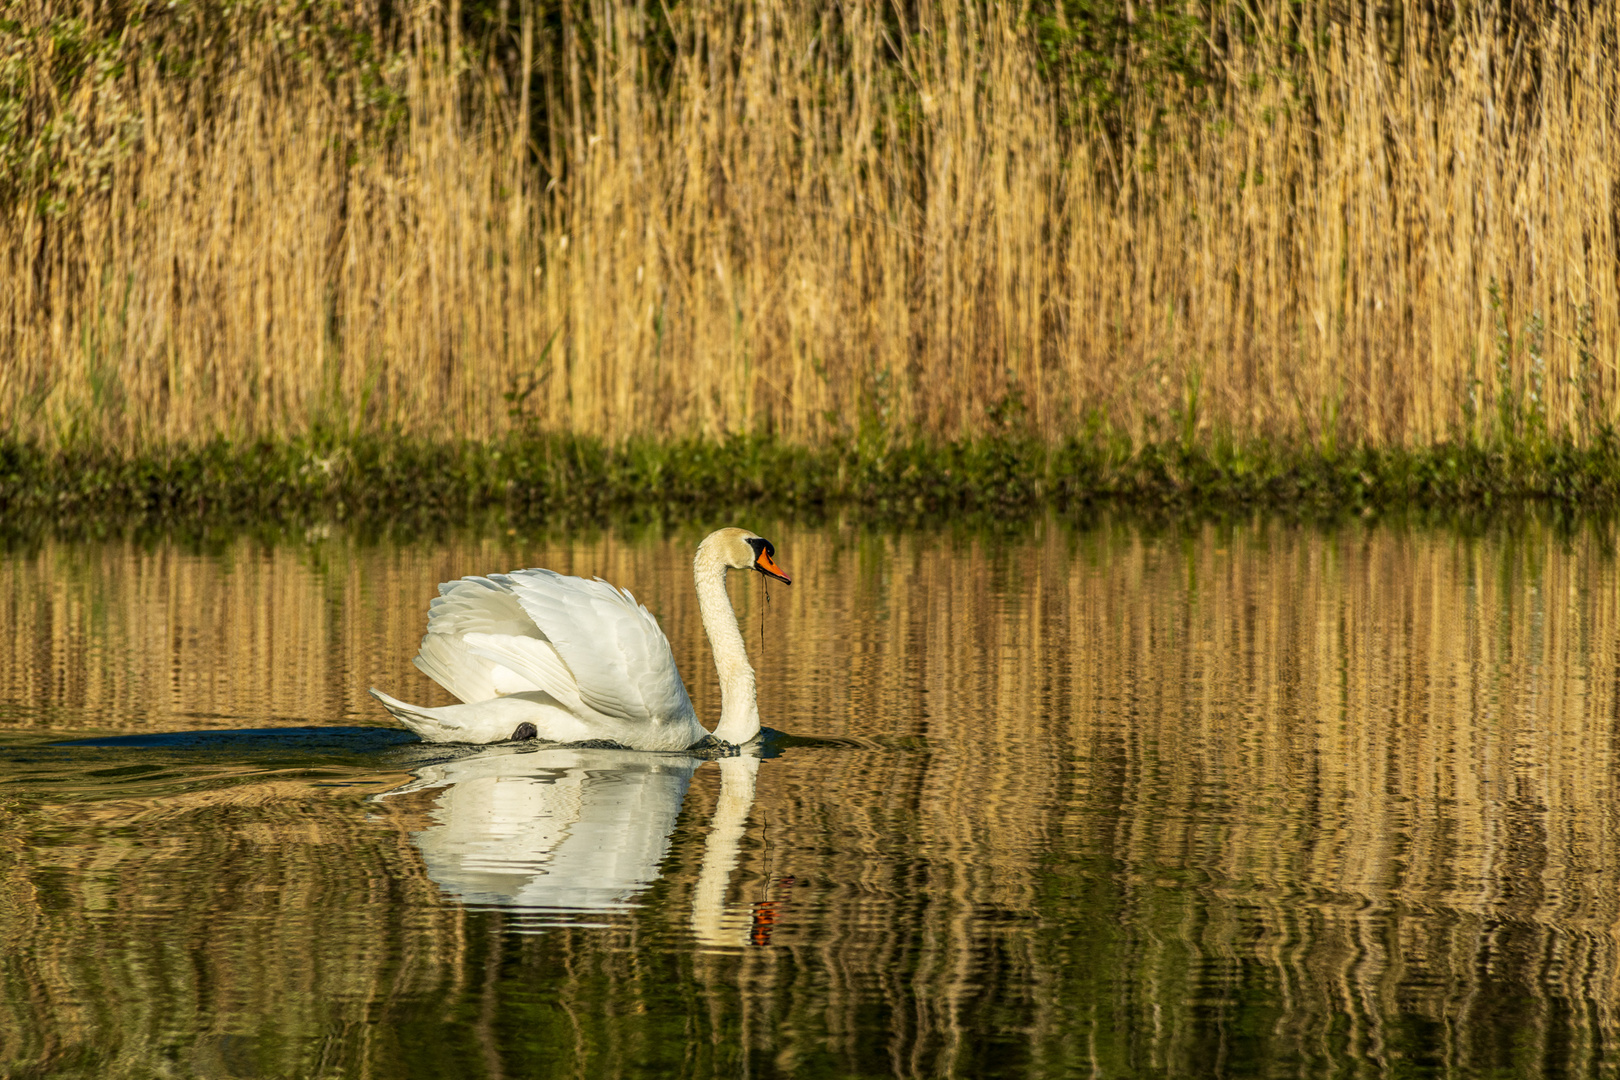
{"x": 350, "y": 740}
{"x": 376, "y": 740}
{"x": 773, "y": 743}
{"x": 241, "y": 750}
{"x": 99, "y": 764}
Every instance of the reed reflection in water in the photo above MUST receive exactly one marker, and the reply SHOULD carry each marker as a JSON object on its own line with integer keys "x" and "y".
{"x": 1198, "y": 801}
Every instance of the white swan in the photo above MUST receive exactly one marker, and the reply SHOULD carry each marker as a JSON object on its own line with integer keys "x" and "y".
{"x": 535, "y": 654}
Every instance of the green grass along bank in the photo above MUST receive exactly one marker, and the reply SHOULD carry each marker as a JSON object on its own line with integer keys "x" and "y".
{"x": 552, "y": 476}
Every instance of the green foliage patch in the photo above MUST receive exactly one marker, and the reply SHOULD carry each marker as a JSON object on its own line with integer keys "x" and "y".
{"x": 544, "y": 477}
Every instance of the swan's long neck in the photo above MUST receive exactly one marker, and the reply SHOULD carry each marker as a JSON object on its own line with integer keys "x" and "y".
{"x": 739, "y": 712}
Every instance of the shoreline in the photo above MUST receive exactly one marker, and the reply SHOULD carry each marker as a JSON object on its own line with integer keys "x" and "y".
{"x": 548, "y": 477}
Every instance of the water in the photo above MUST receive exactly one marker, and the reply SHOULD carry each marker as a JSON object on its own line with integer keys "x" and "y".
{"x": 1257, "y": 800}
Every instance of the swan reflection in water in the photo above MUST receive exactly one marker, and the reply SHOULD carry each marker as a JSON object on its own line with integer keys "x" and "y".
{"x": 554, "y": 833}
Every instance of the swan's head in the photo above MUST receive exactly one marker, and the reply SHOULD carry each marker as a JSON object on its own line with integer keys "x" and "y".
{"x": 739, "y": 549}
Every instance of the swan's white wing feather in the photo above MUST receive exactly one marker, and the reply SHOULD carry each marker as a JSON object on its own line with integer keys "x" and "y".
{"x": 473, "y": 605}
{"x": 619, "y": 656}
{"x": 529, "y": 660}
{"x": 477, "y": 605}
{"x": 450, "y": 663}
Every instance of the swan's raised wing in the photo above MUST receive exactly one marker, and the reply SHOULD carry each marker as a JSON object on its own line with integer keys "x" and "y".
{"x": 619, "y": 656}
{"x": 476, "y": 605}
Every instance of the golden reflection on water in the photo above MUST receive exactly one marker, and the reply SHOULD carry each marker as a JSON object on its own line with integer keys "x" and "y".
{"x": 1204, "y": 800}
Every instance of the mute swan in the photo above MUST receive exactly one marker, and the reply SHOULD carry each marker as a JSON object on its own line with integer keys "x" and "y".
{"x": 534, "y": 654}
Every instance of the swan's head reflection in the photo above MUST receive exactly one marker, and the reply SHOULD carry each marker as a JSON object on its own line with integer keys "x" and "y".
{"x": 558, "y": 832}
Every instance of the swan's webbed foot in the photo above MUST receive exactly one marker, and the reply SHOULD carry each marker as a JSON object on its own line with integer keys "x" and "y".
{"x": 599, "y": 744}
{"x": 525, "y": 730}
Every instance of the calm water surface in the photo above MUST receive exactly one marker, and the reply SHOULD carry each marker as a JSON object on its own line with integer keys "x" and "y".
{"x": 1107, "y": 801}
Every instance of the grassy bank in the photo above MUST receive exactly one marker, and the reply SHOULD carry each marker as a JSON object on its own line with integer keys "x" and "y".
{"x": 570, "y": 478}
{"x": 1284, "y": 224}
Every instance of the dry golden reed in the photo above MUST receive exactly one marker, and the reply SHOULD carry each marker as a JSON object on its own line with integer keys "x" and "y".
{"x": 787, "y": 217}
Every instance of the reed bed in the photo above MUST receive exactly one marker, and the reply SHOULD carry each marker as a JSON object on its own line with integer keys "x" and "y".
{"x": 1388, "y": 227}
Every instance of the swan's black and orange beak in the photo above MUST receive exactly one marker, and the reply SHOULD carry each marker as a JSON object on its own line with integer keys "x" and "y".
{"x": 765, "y": 560}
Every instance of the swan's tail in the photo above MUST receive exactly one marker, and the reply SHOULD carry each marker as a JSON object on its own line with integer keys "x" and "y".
{"x": 431, "y": 724}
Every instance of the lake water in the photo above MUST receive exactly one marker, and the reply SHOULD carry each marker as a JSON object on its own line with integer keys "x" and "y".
{"x": 1100, "y": 800}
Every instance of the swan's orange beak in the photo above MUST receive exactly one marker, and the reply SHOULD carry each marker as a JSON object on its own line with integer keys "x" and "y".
{"x": 767, "y": 565}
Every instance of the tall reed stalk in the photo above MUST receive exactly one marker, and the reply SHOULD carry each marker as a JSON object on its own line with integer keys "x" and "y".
{"x": 808, "y": 219}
